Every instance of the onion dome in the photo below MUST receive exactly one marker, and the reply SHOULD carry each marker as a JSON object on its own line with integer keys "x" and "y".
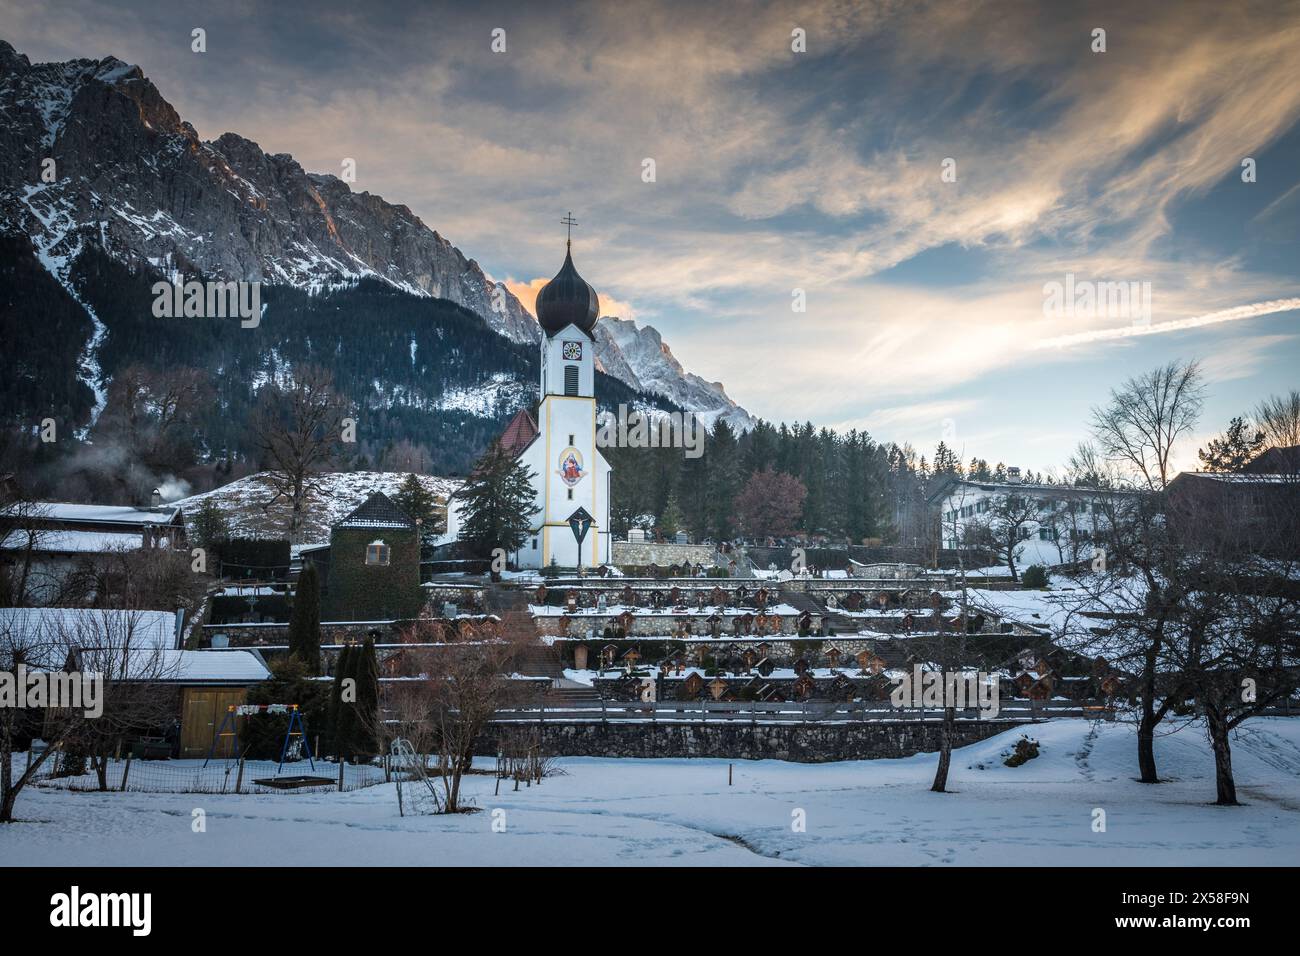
{"x": 567, "y": 300}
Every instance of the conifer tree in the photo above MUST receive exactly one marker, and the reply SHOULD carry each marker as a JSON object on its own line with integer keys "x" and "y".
{"x": 304, "y": 623}
{"x": 208, "y": 525}
{"x": 498, "y": 503}
{"x": 367, "y": 705}
{"x": 670, "y": 522}
{"x": 340, "y": 711}
{"x": 422, "y": 505}
{"x": 1234, "y": 449}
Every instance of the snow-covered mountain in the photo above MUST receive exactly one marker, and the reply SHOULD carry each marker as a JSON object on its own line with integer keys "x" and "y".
{"x": 639, "y": 357}
{"x": 95, "y": 154}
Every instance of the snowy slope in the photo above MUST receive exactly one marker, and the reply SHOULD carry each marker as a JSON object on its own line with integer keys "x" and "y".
{"x": 683, "y": 813}
{"x": 245, "y": 502}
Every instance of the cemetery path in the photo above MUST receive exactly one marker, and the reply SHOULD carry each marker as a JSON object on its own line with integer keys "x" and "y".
{"x": 801, "y": 602}
{"x": 535, "y": 658}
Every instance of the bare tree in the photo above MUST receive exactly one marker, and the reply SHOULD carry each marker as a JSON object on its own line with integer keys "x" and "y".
{"x": 401, "y": 727}
{"x": 112, "y": 648}
{"x": 456, "y": 690}
{"x": 134, "y": 670}
{"x": 23, "y": 644}
{"x": 297, "y": 429}
{"x": 1004, "y": 527}
{"x": 149, "y": 410}
{"x": 1235, "y": 643}
{"x": 1279, "y": 418}
{"x": 949, "y": 652}
{"x": 1146, "y": 417}
{"x": 1133, "y": 587}
{"x": 23, "y": 531}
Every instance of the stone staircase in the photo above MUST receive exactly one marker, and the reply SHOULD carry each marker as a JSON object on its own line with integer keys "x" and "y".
{"x": 570, "y": 695}
{"x": 535, "y": 659}
{"x": 801, "y": 602}
{"x": 538, "y": 660}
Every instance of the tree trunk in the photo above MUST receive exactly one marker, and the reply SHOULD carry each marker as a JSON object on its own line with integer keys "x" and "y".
{"x": 1147, "y": 725}
{"x": 1146, "y": 746}
{"x": 1223, "y": 780}
{"x": 7, "y": 794}
{"x": 453, "y": 793}
{"x": 946, "y": 733}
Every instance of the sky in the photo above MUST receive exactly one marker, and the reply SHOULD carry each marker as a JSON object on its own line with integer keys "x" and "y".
{"x": 923, "y": 177}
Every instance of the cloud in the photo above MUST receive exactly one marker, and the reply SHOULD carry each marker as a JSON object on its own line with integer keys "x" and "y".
{"x": 1241, "y": 359}
{"x": 1235, "y": 314}
{"x": 778, "y": 171}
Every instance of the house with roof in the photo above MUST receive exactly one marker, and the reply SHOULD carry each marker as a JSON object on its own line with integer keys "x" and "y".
{"x": 370, "y": 570}
{"x": 49, "y": 540}
{"x": 1258, "y": 506}
{"x": 1066, "y": 525}
{"x": 145, "y": 646}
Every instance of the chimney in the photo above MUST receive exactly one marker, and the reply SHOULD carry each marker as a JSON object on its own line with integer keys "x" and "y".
{"x": 155, "y": 499}
{"x": 1013, "y": 475}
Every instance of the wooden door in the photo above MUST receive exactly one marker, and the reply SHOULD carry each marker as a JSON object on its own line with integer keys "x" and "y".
{"x": 203, "y": 710}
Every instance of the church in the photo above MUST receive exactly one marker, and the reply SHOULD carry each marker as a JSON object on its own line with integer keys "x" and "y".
{"x": 571, "y": 479}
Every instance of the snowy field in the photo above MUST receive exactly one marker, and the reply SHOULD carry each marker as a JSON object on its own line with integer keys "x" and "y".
{"x": 681, "y": 812}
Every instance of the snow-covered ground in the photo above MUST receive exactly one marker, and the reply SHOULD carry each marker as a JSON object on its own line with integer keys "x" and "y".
{"x": 242, "y": 502}
{"x": 682, "y": 812}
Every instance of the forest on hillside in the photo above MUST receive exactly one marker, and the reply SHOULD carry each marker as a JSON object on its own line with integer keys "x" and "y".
{"x": 427, "y": 381}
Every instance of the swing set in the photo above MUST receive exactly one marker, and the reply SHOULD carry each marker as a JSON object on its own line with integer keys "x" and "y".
{"x": 230, "y": 728}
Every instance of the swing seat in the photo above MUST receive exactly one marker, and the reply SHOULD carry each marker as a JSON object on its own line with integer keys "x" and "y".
{"x": 296, "y": 782}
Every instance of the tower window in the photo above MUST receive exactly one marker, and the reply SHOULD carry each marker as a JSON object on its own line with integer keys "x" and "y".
{"x": 570, "y": 439}
{"x": 377, "y": 553}
{"x": 570, "y": 380}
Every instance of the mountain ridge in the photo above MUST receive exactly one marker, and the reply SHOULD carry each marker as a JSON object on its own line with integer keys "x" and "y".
{"x": 132, "y": 176}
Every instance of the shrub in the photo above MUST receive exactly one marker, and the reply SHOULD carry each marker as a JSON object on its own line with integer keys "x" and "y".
{"x": 1026, "y": 749}
{"x": 1035, "y": 576}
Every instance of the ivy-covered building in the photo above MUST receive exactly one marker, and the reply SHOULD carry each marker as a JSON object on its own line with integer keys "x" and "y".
{"x": 371, "y": 570}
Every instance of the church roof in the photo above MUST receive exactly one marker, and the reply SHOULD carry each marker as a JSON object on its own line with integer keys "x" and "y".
{"x": 377, "y": 511}
{"x": 519, "y": 434}
{"x": 567, "y": 300}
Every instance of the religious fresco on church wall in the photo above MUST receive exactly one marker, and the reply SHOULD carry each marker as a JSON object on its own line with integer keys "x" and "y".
{"x": 571, "y": 470}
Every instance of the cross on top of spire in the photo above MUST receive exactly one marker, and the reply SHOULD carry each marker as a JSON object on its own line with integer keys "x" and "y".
{"x": 569, "y": 223}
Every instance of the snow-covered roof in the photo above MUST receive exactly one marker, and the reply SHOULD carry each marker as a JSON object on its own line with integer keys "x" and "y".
{"x": 89, "y": 626}
{"x": 114, "y": 514}
{"x": 76, "y": 542}
{"x": 249, "y": 511}
{"x": 218, "y": 665}
{"x": 1243, "y": 478}
{"x": 377, "y": 511}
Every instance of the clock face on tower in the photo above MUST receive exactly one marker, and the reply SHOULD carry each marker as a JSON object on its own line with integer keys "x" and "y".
{"x": 571, "y": 352}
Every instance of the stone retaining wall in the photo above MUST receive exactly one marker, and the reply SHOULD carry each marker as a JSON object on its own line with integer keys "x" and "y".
{"x": 640, "y": 554}
{"x": 802, "y": 743}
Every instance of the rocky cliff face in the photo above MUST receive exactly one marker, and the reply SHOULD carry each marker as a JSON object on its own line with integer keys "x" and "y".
{"x": 130, "y": 175}
{"x": 640, "y": 358}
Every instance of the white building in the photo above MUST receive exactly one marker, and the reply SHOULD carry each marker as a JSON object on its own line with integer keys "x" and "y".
{"x": 571, "y": 477}
{"x": 1062, "y": 523}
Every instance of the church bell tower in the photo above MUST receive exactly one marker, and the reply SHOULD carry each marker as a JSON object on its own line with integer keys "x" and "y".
{"x": 571, "y": 477}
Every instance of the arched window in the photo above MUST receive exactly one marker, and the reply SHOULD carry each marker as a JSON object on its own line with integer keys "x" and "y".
{"x": 377, "y": 553}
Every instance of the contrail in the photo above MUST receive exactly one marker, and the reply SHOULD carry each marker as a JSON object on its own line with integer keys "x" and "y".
{"x": 1234, "y": 314}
